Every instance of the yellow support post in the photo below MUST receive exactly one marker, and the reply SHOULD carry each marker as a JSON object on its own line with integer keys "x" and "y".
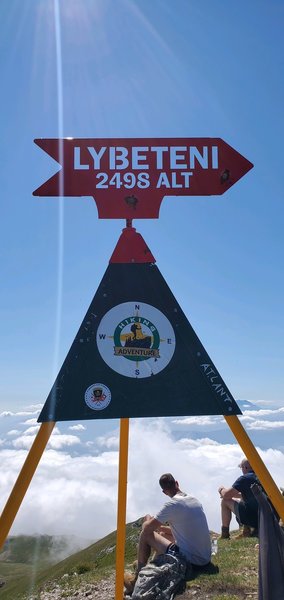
{"x": 26, "y": 474}
{"x": 257, "y": 464}
{"x": 121, "y": 507}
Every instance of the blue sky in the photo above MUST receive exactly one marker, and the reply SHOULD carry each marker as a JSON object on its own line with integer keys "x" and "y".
{"x": 151, "y": 68}
{"x": 132, "y": 68}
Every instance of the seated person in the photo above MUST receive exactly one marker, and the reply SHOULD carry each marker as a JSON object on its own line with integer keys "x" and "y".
{"x": 240, "y": 500}
{"x": 186, "y": 533}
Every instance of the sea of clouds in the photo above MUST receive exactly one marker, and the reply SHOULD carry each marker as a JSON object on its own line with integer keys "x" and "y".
{"x": 74, "y": 489}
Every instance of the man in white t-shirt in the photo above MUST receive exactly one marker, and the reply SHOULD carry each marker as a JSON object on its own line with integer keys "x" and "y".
{"x": 186, "y": 533}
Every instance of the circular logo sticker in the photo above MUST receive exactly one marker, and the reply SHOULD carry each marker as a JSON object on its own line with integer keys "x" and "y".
{"x": 97, "y": 396}
{"x": 135, "y": 339}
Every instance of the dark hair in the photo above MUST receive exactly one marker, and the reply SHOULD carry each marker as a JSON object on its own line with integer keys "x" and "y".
{"x": 167, "y": 481}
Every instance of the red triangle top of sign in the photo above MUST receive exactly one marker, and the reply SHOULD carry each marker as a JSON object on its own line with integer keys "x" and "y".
{"x": 131, "y": 248}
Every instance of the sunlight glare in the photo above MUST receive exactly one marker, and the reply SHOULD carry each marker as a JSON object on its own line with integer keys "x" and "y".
{"x": 57, "y": 24}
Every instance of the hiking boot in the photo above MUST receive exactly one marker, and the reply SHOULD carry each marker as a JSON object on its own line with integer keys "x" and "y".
{"x": 129, "y": 581}
{"x": 225, "y": 533}
{"x": 246, "y": 532}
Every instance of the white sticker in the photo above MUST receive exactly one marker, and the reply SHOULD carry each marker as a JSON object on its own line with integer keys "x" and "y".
{"x": 97, "y": 396}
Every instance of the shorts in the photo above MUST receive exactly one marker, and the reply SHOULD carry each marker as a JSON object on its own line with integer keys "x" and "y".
{"x": 244, "y": 515}
{"x": 172, "y": 549}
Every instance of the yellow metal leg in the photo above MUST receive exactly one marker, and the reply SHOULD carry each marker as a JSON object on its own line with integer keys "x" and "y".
{"x": 257, "y": 464}
{"x": 121, "y": 508}
{"x": 26, "y": 474}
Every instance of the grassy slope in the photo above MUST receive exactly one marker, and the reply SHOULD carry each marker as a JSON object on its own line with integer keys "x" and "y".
{"x": 237, "y": 577}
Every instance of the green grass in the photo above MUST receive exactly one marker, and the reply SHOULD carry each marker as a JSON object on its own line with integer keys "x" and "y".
{"x": 237, "y": 560}
{"x": 237, "y": 578}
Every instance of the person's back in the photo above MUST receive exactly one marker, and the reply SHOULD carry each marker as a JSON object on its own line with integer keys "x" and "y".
{"x": 188, "y": 523}
{"x": 179, "y": 531}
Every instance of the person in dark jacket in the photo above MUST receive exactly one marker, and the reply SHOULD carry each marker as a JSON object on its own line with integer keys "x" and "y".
{"x": 240, "y": 500}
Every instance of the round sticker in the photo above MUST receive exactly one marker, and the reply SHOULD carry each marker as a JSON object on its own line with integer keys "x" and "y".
{"x": 97, "y": 396}
{"x": 135, "y": 339}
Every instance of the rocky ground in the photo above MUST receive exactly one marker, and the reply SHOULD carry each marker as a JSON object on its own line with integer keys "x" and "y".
{"x": 102, "y": 590}
{"x": 105, "y": 590}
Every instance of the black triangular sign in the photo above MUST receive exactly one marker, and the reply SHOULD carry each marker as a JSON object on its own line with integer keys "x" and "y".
{"x": 136, "y": 355}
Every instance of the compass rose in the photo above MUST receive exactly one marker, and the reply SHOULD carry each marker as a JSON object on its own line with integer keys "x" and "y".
{"x": 136, "y": 339}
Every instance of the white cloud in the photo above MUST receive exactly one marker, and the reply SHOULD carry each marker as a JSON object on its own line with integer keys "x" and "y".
{"x": 83, "y": 489}
{"x": 55, "y": 441}
{"x": 246, "y": 418}
{"x": 78, "y": 427}
{"x": 264, "y": 425}
{"x": 204, "y": 420}
{"x": 34, "y": 407}
{"x": 199, "y": 465}
{"x": 31, "y": 430}
{"x": 187, "y": 442}
{"x": 60, "y": 441}
{"x": 56, "y": 431}
{"x": 22, "y": 413}
{"x": 262, "y": 412}
{"x": 13, "y": 432}
{"x": 23, "y": 441}
{"x": 258, "y": 420}
{"x": 32, "y": 421}
{"x": 264, "y": 402}
{"x": 108, "y": 441}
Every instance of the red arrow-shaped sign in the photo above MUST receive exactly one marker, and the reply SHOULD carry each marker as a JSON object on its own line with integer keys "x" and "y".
{"x": 128, "y": 178}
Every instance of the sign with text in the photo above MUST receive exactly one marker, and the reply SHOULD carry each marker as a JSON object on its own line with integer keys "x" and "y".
{"x": 128, "y": 178}
{"x": 136, "y": 355}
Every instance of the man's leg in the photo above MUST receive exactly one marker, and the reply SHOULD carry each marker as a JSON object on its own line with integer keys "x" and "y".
{"x": 147, "y": 542}
{"x": 227, "y": 507}
{"x": 150, "y": 541}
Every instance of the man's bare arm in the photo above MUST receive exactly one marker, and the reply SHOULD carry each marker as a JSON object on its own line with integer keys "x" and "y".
{"x": 229, "y": 493}
{"x": 151, "y": 525}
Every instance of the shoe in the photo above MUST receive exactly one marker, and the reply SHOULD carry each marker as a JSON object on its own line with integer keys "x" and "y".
{"x": 246, "y": 532}
{"x": 225, "y": 533}
{"x": 129, "y": 581}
